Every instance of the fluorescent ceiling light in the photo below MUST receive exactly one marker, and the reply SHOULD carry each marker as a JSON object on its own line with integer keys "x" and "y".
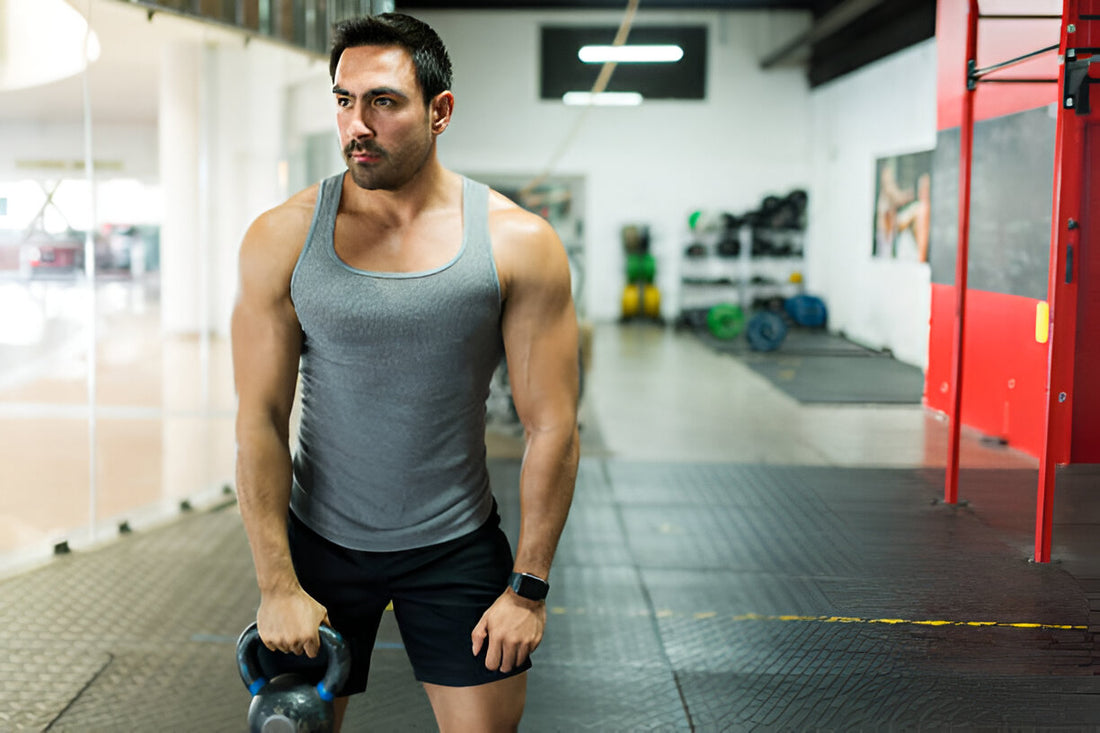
{"x": 603, "y": 99}
{"x": 652, "y": 54}
{"x": 26, "y": 60}
{"x": 93, "y": 49}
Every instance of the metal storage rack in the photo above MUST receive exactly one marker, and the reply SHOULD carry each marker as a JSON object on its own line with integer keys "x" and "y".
{"x": 762, "y": 268}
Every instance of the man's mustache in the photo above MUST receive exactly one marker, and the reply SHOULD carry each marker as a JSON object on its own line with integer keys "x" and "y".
{"x": 370, "y": 148}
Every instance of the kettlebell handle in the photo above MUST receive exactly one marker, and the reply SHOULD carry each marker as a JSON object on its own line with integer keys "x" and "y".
{"x": 339, "y": 661}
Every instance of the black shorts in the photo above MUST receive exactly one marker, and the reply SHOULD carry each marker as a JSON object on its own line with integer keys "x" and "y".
{"x": 439, "y": 594}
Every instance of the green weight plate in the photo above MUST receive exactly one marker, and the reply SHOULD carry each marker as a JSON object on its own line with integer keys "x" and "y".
{"x": 640, "y": 268}
{"x": 726, "y": 321}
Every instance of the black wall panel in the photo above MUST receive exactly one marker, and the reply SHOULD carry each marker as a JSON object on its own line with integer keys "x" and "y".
{"x": 1010, "y": 204}
{"x": 562, "y": 71}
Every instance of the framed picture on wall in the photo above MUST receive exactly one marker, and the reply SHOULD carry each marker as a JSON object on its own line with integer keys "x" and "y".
{"x": 903, "y": 206}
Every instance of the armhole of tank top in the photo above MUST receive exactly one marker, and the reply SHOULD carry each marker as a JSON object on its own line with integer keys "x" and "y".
{"x": 489, "y": 242}
{"x": 318, "y": 208}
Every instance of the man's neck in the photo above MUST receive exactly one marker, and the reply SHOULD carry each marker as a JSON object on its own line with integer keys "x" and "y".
{"x": 428, "y": 189}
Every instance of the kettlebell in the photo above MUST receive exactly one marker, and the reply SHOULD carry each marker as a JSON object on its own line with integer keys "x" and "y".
{"x": 290, "y": 702}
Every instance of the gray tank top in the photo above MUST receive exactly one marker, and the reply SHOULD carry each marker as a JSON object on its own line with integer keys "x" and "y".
{"x": 395, "y": 371}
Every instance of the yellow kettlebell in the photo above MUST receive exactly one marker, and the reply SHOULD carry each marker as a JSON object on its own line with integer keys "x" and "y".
{"x": 651, "y": 301}
{"x": 632, "y": 301}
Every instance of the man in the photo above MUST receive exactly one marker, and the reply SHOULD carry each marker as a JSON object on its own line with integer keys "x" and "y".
{"x": 392, "y": 291}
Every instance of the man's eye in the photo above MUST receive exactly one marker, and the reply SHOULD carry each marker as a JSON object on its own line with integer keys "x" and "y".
{"x": 383, "y": 102}
{"x": 343, "y": 101}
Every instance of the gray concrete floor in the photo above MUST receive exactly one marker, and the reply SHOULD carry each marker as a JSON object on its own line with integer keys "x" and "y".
{"x": 659, "y": 394}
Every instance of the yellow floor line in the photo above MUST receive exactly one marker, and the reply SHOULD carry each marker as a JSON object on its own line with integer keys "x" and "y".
{"x": 909, "y": 622}
{"x": 707, "y": 615}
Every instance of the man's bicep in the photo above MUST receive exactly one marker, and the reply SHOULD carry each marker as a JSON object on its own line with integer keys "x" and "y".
{"x": 265, "y": 361}
{"x": 266, "y": 340}
{"x": 540, "y": 340}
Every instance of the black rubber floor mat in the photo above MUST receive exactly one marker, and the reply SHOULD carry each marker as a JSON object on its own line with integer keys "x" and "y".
{"x": 704, "y": 597}
{"x": 603, "y": 696}
{"x": 840, "y": 379}
{"x": 26, "y": 702}
{"x": 797, "y": 342}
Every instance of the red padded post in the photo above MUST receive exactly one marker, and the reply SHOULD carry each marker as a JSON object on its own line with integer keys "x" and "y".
{"x": 962, "y": 256}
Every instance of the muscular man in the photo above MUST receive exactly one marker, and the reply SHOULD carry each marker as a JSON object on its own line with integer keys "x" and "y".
{"x": 392, "y": 291}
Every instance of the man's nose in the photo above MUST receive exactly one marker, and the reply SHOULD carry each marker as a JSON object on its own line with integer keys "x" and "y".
{"x": 357, "y": 127}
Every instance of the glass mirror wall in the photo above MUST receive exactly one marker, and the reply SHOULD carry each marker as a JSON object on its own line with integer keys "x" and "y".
{"x": 130, "y": 167}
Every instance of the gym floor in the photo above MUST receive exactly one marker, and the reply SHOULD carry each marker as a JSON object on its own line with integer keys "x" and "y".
{"x": 735, "y": 560}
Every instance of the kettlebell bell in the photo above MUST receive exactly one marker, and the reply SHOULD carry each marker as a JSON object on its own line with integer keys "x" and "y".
{"x": 289, "y": 702}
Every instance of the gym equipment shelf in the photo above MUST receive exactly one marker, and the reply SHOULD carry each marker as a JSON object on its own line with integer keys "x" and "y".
{"x": 744, "y": 266}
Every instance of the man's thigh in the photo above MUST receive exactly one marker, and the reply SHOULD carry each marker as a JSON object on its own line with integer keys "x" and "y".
{"x": 342, "y": 581}
{"x": 492, "y": 707}
{"x": 440, "y": 598}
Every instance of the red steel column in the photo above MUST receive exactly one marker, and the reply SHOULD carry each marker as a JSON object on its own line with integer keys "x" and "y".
{"x": 962, "y": 257}
{"x": 1066, "y": 223}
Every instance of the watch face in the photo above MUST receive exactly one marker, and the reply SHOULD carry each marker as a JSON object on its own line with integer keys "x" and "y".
{"x": 529, "y": 587}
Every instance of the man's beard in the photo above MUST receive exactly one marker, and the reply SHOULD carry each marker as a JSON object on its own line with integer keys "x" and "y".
{"x": 391, "y": 172}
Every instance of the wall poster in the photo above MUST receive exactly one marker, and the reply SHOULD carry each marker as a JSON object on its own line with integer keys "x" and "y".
{"x": 903, "y": 206}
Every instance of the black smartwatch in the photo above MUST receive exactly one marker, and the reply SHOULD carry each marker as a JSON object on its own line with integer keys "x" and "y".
{"x": 528, "y": 586}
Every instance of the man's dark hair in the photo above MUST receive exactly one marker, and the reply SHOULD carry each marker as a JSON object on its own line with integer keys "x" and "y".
{"x": 429, "y": 55}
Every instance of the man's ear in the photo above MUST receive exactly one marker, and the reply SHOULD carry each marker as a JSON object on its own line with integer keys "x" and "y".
{"x": 440, "y": 110}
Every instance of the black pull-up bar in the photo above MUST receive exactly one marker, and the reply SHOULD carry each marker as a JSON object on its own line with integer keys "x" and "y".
{"x": 1020, "y": 80}
{"x": 1019, "y": 17}
{"x": 975, "y": 75}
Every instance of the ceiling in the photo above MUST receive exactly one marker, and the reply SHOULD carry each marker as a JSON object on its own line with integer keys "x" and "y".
{"x": 847, "y": 34}
{"x": 604, "y": 4}
{"x": 859, "y": 31}
{"x": 123, "y": 83}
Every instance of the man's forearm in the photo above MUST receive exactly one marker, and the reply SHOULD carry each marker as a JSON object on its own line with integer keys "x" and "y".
{"x": 546, "y": 492}
{"x": 263, "y": 490}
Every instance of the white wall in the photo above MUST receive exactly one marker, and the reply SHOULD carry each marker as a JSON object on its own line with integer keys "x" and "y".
{"x": 49, "y": 150}
{"x": 183, "y": 227}
{"x": 247, "y": 153}
{"x": 652, "y": 164}
{"x": 757, "y": 132}
{"x": 236, "y": 128}
{"x": 884, "y": 109}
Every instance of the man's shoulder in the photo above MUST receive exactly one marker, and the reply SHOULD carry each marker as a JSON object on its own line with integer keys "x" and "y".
{"x": 525, "y": 246}
{"x": 276, "y": 237}
{"x": 513, "y": 225}
{"x": 290, "y": 218}
{"x": 285, "y": 225}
